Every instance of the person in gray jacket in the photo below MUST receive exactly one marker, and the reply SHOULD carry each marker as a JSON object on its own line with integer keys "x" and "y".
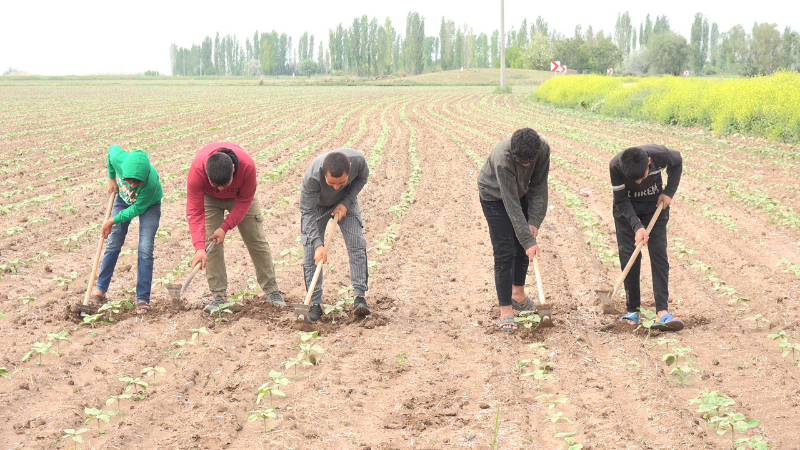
{"x": 330, "y": 186}
{"x": 513, "y": 193}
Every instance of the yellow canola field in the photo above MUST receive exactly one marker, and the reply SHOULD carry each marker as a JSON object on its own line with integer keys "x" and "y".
{"x": 767, "y": 106}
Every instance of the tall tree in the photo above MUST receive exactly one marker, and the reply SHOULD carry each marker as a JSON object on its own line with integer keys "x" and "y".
{"x": 668, "y": 53}
{"x": 623, "y": 32}
{"x": 542, "y": 27}
{"x": 661, "y": 25}
{"x": 713, "y": 43}
{"x": 413, "y": 45}
{"x": 699, "y": 43}
{"x": 764, "y": 49}
{"x": 522, "y": 34}
{"x": 494, "y": 49}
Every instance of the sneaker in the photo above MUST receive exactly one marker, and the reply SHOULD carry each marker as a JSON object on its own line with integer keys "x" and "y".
{"x": 214, "y": 304}
{"x": 315, "y": 312}
{"x": 360, "y": 307}
{"x": 276, "y": 299}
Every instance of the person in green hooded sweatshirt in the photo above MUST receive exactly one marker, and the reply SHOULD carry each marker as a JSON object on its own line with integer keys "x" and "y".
{"x": 139, "y": 194}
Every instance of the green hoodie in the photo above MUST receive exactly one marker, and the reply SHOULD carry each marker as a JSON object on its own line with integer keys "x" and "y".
{"x": 135, "y": 164}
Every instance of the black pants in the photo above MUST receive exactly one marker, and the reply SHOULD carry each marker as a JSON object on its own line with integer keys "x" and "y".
{"x": 510, "y": 260}
{"x": 659, "y": 263}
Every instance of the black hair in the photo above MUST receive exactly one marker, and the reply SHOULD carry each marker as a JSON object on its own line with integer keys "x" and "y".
{"x": 219, "y": 167}
{"x": 634, "y": 161}
{"x": 525, "y": 145}
{"x": 336, "y": 164}
{"x": 132, "y": 180}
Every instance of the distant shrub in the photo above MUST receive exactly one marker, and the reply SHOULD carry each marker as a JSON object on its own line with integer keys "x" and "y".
{"x": 337, "y": 73}
{"x": 151, "y": 73}
{"x": 767, "y": 106}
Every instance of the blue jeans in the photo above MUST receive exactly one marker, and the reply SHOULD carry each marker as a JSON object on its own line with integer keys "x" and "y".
{"x": 148, "y": 225}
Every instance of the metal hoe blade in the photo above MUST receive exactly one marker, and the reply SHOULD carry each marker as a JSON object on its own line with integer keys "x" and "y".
{"x": 301, "y": 310}
{"x": 607, "y": 302}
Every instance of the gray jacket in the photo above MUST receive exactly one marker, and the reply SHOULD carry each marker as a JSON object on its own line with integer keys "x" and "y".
{"x": 502, "y": 178}
{"x": 315, "y": 191}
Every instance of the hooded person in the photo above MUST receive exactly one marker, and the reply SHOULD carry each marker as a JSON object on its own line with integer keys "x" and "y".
{"x": 139, "y": 193}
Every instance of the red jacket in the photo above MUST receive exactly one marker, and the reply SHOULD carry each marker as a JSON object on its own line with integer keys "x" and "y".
{"x": 242, "y": 188}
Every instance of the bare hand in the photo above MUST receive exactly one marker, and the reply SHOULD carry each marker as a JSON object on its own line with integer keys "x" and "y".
{"x": 341, "y": 209}
{"x": 200, "y": 256}
{"x": 533, "y": 252}
{"x": 665, "y": 199}
{"x": 105, "y": 230}
{"x": 321, "y": 253}
{"x": 219, "y": 235}
{"x": 640, "y": 235}
{"x": 534, "y": 230}
{"x": 112, "y": 186}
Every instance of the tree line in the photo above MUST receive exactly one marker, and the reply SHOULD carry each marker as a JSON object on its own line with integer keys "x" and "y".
{"x": 367, "y": 47}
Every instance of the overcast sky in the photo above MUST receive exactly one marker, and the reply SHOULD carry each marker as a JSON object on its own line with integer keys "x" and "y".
{"x": 84, "y": 37}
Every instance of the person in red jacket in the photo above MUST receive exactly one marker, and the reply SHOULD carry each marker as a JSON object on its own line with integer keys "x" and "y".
{"x": 222, "y": 178}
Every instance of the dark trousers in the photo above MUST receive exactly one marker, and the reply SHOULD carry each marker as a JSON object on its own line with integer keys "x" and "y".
{"x": 659, "y": 263}
{"x": 510, "y": 260}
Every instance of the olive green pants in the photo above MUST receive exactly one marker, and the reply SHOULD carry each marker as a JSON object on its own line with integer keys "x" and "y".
{"x": 251, "y": 229}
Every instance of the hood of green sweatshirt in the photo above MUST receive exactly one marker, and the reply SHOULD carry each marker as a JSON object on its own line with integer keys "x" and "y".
{"x": 136, "y": 165}
{"x": 117, "y": 156}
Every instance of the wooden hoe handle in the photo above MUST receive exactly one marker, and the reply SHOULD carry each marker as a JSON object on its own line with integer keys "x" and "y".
{"x": 99, "y": 251}
{"x": 328, "y": 234}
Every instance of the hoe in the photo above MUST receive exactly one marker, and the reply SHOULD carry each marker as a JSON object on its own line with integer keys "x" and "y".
{"x": 302, "y": 308}
{"x": 176, "y": 290}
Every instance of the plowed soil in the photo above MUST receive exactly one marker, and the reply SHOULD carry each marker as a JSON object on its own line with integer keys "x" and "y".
{"x": 428, "y": 369}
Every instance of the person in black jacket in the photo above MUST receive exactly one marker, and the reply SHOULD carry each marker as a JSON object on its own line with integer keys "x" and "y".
{"x": 638, "y": 189}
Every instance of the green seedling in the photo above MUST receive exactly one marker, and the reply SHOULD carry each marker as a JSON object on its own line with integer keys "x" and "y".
{"x": 57, "y": 338}
{"x": 99, "y": 416}
{"x": 92, "y": 320}
{"x": 136, "y": 384}
{"x": 307, "y": 347}
{"x": 401, "y": 358}
{"x": 570, "y": 440}
{"x": 732, "y": 421}
{"x": 115, "y": 307}
{"x": 41, "y": 348}
{"x": 634, "y": 365}
{"x": 789, "y": 348}
{"x": 662, "y": 341}
{"x": 4, "y": 373}
{"x": 75, "y": 435}
{"x": 756, "y": 318}
{"x": 175, "y": 353}
{"x": 211, "y": 377}
{"x": 753, "y": 443}
{"x": 790, "y": 266}
{"x": 224, "y": 308}
{"x": 28, "y": 300}
{"x": 528, "y": 318}
{"x": 196, "y": 332}
{"x": 118, "y": 399}
{"x": 649, "y": 318}
{"x": 152, "y": 371}
{"x": 495, "y": 441}
{"x": 338, "y": 307}
{"x": 61, "y": 281}
{"x": 272, "y": 387}
{"x": 263, "y": 414}
{"x": 3, "y": 316}
{"x": 779, "y": 335}
{"x": 710, "y": 402}
{"x": 681, "y": 372}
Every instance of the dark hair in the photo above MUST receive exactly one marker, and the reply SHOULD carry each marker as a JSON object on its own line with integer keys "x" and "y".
{"x": 525, "y": 145}
{"x": 633, "y": 162}
{"x": 219, "y": 168}
{"x": 336, "y": 164}
{"x": 132, "y": 180}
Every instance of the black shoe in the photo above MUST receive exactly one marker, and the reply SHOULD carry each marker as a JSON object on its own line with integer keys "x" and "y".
{"x": 360, "y": 307}
{"x": 315, "y": 312}
{"x": 214, "y": 305}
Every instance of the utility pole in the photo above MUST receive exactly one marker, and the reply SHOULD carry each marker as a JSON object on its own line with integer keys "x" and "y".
{"x": 502, "y": 47}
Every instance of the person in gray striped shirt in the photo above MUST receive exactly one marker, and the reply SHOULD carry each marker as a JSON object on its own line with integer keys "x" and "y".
{"x": 331, "y": 185}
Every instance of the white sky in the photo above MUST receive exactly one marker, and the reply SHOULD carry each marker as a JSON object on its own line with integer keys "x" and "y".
{"x": 83, "y": 37}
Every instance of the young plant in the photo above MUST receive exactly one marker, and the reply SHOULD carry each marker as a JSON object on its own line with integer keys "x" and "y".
{"x": 756, "y": 318}
{"x": 307, "y": 347}
{"x": 135, "y": 384}
{"x": 753, "y": 443}
{"x": 211, "y": 377}
{"x": 495, "y": 441}
{"x": 4, "y": 373}
{"x": 663, "y": 341}
{"x": 57, "y": 338}
{"x": 528, "y": 318}
{"x": 115, "y": 307}
{"x": 681, "y": 372}
{"x": 99, "y": 416}
{"x": 401, "y": 358}
{"x": 272, "y": 387}
{"x": 224, "y": 308}
{"x": 710, "y": 402}
{"x": 570, "y": 440}
{"x": 263, "y": 414}
{"x": 196, "y": 332}
{"x": 92, "y": 320}
{"x": 118, "y": 399}
{"x": 152, "y": 371}
{"x": 649, "y": 318}
{"x": 732, "y": 421}
{"x": 75, "y": 435}
{"x": 539, "y": 371}
{"x": 41, "y": 348}
{"x": 27, "y": 300}
{"x": 551, "y": 404}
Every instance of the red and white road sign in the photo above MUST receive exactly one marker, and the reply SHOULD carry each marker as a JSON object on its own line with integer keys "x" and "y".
{"x": 610, "y": 71}
{"x": 555, "y": 66}
{"x": 686, "y": 73}
{"x": 562, "y": 69}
